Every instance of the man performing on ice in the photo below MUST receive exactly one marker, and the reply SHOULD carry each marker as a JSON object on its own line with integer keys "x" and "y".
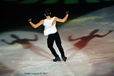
{"x": 51, "y": 31}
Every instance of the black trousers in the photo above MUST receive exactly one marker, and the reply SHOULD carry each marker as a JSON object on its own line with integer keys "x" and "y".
{"x": 55, "y": 37}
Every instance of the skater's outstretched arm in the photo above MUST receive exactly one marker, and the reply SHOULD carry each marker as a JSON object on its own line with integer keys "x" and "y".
{"x": 35, "y": 39}
{"x": 60, "y": 20}
{"x": 10, "y": 43}
{"x": 35, "y": 25}
{"x": 105, "y": 34}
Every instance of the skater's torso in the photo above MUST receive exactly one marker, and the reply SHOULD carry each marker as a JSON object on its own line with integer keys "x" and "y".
{"x": 49, "y": 28}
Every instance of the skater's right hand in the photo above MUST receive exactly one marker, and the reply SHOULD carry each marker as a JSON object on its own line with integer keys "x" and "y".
{"x": 30, "y": 20}
{"x": 67, "y": 12}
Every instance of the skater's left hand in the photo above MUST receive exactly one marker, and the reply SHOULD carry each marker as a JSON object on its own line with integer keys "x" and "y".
{"x": 30, "y": 20}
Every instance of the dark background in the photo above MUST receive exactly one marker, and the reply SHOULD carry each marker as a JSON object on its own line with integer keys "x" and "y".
{"x": 15, "y": 15}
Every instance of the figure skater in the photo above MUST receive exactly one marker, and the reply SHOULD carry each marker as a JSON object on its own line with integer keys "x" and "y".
{"x": 51, "y": 31}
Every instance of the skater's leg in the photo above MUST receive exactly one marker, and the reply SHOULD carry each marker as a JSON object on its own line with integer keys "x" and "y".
{"x": 50, "y": 42}
{"x": 58, "y": 43}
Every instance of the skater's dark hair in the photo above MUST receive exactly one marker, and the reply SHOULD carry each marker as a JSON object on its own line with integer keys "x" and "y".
{"x": 47, "y": 12}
